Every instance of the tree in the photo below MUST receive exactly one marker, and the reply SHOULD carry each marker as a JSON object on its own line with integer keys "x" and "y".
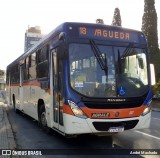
{"x": 99, "y": 21}
{"x": 117, "y": 18}
{"x": 149, "y": 27}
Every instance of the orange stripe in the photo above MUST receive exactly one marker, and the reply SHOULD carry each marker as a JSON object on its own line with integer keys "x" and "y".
{"x": 37, "y": 84}
{"x": 14, "y": 84}
{"x": 67, "y": 109}
{"x": 123, "y": 113}
{"x": 48, "y": 91}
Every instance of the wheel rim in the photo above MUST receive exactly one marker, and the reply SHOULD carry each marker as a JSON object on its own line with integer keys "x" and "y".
{"x": 43, "y": 119}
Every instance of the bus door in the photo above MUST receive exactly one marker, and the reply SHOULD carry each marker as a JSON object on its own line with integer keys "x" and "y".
{"x": 21, "y": 87}
{"x": 56, "y": 88}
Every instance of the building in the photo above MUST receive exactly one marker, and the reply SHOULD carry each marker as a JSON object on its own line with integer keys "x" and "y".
{"x": 32, "y": 36}
{"x": 2, "y": 80}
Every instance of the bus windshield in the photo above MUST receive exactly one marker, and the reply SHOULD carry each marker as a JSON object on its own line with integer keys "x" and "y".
{"x": 108, "y": 71}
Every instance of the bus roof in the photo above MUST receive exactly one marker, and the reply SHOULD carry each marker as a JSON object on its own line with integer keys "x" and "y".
{"x": 86, "y": 30}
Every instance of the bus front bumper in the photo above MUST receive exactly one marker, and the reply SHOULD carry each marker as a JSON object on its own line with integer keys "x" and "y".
{"x": 76, "y": 125}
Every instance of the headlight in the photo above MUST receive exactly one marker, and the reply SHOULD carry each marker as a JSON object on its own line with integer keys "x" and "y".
{"x": 147, "y": 109}
{"x": 76, "y": 110}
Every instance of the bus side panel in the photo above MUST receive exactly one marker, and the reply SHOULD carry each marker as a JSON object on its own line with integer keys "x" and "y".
{"x": 33, "y": 93}
{"x": 15, "y": 95}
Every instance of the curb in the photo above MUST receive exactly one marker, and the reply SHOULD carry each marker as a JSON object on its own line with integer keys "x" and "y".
{"x": 8, "y": 136}
{"x": 11, "y": 139}
{"x": 9, "y": 132}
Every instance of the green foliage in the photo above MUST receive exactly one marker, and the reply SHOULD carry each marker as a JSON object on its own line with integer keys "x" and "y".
{"x": 117, "y": 18}
{"x": 156, "y": 88}
{"x": 149, "y": 27}
{"x": 156, "y": 62}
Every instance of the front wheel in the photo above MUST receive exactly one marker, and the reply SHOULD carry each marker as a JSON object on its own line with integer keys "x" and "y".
{"x": 43, "y": 120}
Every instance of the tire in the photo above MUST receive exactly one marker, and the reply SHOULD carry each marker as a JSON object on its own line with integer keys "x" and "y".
{"x": 14, "y": 105}
{"x": 43, "y": 121}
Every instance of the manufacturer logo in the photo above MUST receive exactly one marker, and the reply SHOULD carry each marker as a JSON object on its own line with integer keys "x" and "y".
{"x": 100, "y": 115}
{"x": 116, "y": 100}
{"x": 116, "y": 114}
{"x": 131, "y": 112}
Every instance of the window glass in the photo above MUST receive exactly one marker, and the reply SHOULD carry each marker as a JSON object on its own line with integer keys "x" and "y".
{"x": 27, "y": 62}
{"x": 42, "y": 69}
{"x": 108, "y": 71}
{"x": 42, "y": 62}
{"x": 87, "y": 77}
{"x": 33, "y": 59}
{"x": 42, "y": 54}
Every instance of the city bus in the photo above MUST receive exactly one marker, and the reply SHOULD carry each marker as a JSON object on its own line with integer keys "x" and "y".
{"x": 84, "y": 78}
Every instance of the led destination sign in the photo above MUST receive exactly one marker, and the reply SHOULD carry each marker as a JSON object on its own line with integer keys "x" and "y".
{"x": 107, "y": 33}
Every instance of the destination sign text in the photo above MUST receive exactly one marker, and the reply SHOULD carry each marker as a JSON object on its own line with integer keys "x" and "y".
{"x": 107, "y": 33}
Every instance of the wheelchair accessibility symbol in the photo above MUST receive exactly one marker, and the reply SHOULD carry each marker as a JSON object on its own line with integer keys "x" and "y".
{"x": 122, "y": 91}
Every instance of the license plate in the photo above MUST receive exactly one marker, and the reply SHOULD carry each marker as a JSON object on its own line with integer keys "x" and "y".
{"x": 116, "y": 129}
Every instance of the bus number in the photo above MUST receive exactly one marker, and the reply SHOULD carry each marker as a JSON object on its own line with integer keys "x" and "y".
{"x": 83, "y": 30}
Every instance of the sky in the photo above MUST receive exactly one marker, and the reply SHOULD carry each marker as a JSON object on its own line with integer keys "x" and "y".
{"x": 17, "y": 15}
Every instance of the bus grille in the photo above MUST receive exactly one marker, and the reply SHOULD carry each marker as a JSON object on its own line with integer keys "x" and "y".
{"x": 104, "y": 126}
{"x": 113, "y": 105}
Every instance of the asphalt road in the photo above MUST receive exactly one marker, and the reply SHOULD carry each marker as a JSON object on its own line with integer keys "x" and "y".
{"x": 29, "y": 136}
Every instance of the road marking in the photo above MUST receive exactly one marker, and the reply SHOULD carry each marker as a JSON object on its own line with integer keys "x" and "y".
{"x": 148, "y": 135}
{"x": 155, "y": 118}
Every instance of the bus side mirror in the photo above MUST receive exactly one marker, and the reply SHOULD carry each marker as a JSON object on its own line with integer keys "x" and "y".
{"x": 152, "y": 73}
{"x": 141, "y": 64}
{"x": 62, "y": 36}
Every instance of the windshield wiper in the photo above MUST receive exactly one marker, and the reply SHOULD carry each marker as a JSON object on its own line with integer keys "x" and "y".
{"x": 119, "y": 63}
{"x": 126, "y": 53}
{"x": 101, "y": 60}
{"x": 128, "y": 50}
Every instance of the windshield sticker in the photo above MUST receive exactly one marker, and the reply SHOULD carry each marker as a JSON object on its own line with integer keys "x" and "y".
{"x": 104, "y": 79}
{"x": 80, "y": 78}
{"x": 122, "y": 91}
{"x": 79, "y": 84}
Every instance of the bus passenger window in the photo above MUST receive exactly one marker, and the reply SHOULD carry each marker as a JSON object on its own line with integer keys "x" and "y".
{"x": 32, "y": 66}
{"x": 25, "y": 69}
{"x": 33, "y": 59}
{"x": 42, "y": 54}
{"x": 38, "y": 56}
{"x": 27, "y": 62}
{"x": 42, "y": 62}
